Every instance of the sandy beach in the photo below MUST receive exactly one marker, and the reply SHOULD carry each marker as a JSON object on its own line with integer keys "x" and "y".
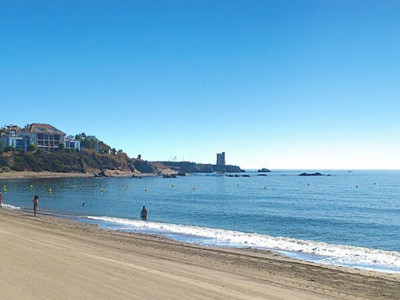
{"x": 55, "y": 258}
{"x": 43, "y": 174}
{"x": 46, "y": 174}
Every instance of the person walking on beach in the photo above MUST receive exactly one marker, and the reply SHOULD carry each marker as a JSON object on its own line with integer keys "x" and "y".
{"x": 35, "y": 204}
{"x": 143, "y": 213}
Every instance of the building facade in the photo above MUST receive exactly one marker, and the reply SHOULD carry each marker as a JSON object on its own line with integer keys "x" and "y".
{"x": 44, "y": 136}
{"x": 11, "y": 137}
{"x": 71, "y": 143}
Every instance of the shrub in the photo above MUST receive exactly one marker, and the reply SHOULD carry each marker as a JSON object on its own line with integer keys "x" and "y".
{"x": 57, "y": 166}
{"x": 18, "y": 163}
{"x": 9, "y": 148}
{"x": 32, "y": 162}
{"x": 32, "y": 148}
{"x": 17, "y": 168}
{"x": 4, "y": 162}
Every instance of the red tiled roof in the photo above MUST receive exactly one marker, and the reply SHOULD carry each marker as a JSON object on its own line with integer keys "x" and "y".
{"x": 41, "y": 128}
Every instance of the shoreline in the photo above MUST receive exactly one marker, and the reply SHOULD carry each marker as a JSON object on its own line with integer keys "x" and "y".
{"x": 289, "y": 254}
{"x": 315, "y": 251}
{"x": 45, "y": 174}
{"x": 130, "y": 264}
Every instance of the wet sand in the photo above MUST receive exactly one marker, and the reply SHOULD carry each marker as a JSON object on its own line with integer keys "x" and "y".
{"x": 54, "y": 258}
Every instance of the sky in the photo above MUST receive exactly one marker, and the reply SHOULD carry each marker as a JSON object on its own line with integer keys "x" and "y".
{"x": 274, "y": 84}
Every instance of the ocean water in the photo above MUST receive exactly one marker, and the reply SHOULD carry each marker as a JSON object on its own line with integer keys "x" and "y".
{"x": 347, "y": 218}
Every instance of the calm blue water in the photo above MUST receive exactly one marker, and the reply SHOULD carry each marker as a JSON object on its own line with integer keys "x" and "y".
{"x": 326, "y": 219}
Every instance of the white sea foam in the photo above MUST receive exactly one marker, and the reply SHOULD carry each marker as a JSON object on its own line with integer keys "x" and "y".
{"x": 322, "y": 252}
{"x": 9, "y": 206}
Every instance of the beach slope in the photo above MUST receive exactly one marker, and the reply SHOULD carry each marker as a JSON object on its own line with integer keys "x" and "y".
{"x": 54, "y": 258}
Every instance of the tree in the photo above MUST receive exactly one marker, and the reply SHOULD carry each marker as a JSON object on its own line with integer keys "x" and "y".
{"x": 32, "y": 148}
{"x": 104, "y": 148}
{"x": 139, "y": 156}
{"x": 89, "y": 143}
{"x": 80, "y": 136}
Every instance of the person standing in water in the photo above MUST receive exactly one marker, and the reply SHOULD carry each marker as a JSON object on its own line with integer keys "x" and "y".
{"x": 143, "y": 213}
{"x": 35, "y": 204}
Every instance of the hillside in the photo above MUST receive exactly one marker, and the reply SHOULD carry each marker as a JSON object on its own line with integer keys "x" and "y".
{"x": 90, "y": 161}
{"x": 71, "y": 161}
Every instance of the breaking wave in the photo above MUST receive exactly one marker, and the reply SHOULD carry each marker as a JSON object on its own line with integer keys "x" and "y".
{"x": 341, "y": 255}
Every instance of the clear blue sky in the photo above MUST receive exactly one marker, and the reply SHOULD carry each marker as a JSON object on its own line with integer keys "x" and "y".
{"x": 276, "y": 84}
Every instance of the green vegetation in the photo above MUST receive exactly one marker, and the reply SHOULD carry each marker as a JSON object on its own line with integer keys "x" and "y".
{"x": 96, "y": 155}
{"x": 90, "y": 160}
{"x": 32, "y": 148}
{"x": 9, "y": 148}
{"x": 65, "y": 161}
{"x": 94, "y": 143}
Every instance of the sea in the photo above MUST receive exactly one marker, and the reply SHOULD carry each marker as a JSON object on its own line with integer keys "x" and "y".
{"x": 345, "y": 218}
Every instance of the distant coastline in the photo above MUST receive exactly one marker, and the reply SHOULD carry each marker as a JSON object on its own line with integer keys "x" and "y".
{"x": 41, "y": 150}
{"x": 66, "y": 165}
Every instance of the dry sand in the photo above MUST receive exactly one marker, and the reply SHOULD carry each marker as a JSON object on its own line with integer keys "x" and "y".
{"x": 45, "y": 174}
{"x": 54, "y": 258}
